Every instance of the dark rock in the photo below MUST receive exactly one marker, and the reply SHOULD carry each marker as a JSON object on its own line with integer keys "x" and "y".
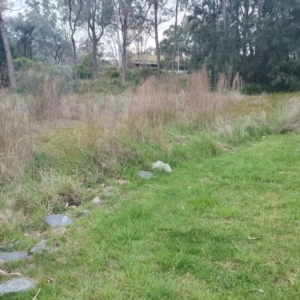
{"x": 13, "y": 256}
{"x": 58, "y": 220}
{"x": 16, "y": 285}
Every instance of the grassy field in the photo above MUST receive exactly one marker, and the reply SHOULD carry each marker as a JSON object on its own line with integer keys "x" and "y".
{"x": 223, "y": 225}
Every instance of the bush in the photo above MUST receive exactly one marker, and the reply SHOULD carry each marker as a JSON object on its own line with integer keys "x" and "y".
{"x": 137, "y": 75}
{"x": 31, "y": 75}
{"x": 112, "y": 72}
{"x": 257, "y": 89}
{"x": 84, "y": 72}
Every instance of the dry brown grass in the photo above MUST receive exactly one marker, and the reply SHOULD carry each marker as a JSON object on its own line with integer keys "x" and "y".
{"x": 167, "y": 98}
{"x": 292, "y": 120}
{"x": 98, "y": 124}
{"x": 16, "y": 147}
{"x": 46, "y": 102}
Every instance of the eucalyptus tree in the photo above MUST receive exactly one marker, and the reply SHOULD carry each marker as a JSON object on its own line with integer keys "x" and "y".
{"x": 8, "y": 54}
{"x": 98, "y": 14}
{"x": 258, "y": 38}
{"x": 179, "y": 6}
{"x": 72, "y": 10}
{"x": 21, "y": 29}
{"x": 131, "y": 17}
{"x": 159, "y": 13}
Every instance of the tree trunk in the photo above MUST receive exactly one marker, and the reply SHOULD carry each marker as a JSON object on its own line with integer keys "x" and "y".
{"x": 124, "y": 52}
{"x": 123, "y": 75}
{"x": 175, "y": 35}
{"x": 259, "y": 12}
{"x": 94, "y": 57}
{"x": 156, "y": 39}
{"x": 9, "y": 59}
{"x": 224, "y": 13}
{"x": 74, "y": 59}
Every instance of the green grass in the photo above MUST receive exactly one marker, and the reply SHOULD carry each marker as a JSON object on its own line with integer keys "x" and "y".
{"x": 223, "y": 227}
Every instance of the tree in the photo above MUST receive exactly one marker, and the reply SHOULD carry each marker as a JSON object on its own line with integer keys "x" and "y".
{"x": 99, "y": 16}
{"x": 183, "y": 40}
{"x": 8, "y": 55}
{"x": 160, "y": 13}
{"x": 72, "y": 10}
{"x": 131, "y": 15}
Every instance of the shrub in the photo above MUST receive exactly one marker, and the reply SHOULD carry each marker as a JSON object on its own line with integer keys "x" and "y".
{"x": 112, "y": 72}
{"x": 257, "y": 89}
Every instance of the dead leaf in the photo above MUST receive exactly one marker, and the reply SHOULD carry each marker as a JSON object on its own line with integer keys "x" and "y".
{"x": 123, "y": 181}
{"x": 5, "y": 273}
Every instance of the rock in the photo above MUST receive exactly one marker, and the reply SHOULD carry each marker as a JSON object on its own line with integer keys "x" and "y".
{"x": 86, "y": 213}
{"x": 13, "y": 256}
{"x": 39, "y": 247}
{"x": 16, "y": 285}
{"x": 144, "y": 174}
{"x": 58, "y": 220}
{"x": 98, "y": 201}
{"x": 9, "y": 247}
{"x": 162, "y": 166}
{"x": 107, "y": 191}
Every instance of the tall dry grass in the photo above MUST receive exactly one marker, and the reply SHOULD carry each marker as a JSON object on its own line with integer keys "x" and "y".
{"x": 46, "y": 102}
{"x": 16, "y": 147}
{"x": 99, "y": 124}
{"x": 170, "y": 97}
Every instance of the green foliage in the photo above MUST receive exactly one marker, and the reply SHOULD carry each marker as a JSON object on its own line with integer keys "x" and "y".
{"x": 137, "y": 75}
{"x": 112, "y": 72}
{"x": 257, "y": 89}
{"x": 31, "y": 74}
{"x": 263, "y": 48}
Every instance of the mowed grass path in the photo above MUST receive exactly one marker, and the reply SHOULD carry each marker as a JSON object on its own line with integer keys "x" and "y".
{"x": 219, "y": 228}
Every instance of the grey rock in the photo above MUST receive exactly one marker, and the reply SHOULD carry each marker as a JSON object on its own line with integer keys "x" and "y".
{"x": 58, "y": 220}
{"x": 162, "y": 166}
{"x": 16, "y": 285}
{"x": 9, "y": 247}
{"x": 13, "y": 256}
{"x": 39, "y": 247}
{"x": 86, "y": 213}
{"x": 144, "y": 174}
{"x": 107, "y": 191}
{"x": 99, "y": 202}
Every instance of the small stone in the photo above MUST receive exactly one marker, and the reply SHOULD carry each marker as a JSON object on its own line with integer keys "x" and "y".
{"x": 13, "y": 256}
{"x": 39, "y": 247}
{"x": 58, "y": 220}
{"x": 86, "y": 213}
{"x": 99, "y": 202}
{"x": 162, "y": 166}
{"x": 144, "y": 174}
{"x": 16, "y": 285}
